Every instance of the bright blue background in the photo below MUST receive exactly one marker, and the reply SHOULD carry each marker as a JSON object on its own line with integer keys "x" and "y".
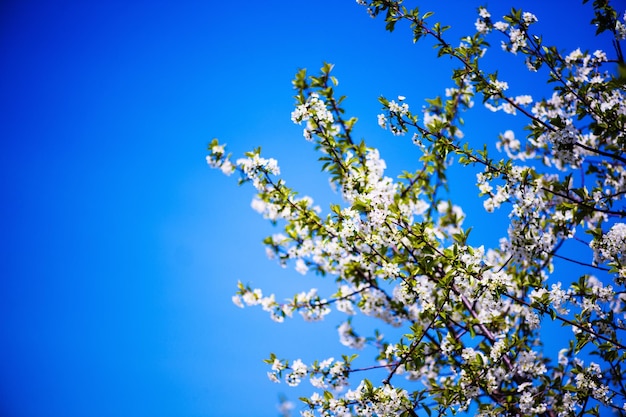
{"x": 120, "y": 248}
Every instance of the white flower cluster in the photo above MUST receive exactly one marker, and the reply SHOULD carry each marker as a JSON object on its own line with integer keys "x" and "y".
{"x": 528, "y": 238}
{"x": 612, "y": 246}
{"x": 529, "y": 235}
{"x": 382, "y": 121}
{"x": 255, "y": 168}
{"x": 466, "y": 93}
{"x": 529, "y": 18}
{"x": 585, "y": 67}
{"x": 499, "y": 86}
{"x": 529, "y": 365}
{"x": 399, "y": 252}
{"x": 375, "y": 303}
{"x": 608, "y": 103}
{"x": 496, "y": 199}
{"x": 498, "y": 349}
{"x": 345, "y": 300}
{"x": 396, "y": 112}
{"x": 513, "y": 147}
{"x": 482, "y": 22}
{"x": 217, "y": 159}
{"x": 528, "y": 403}
{"x": 517, "y": 40}
{"x": 269, "y": 210}
{"x": 365, "y": 400}
{"x": 399, "y": 109}
{"x": 272, "y": 211}
{"x": 348, "y": 338}
{"x": 386, "y": 402}
{"x": 587, "y": 380}
{"x": 620, "y": 28}
{"x": 431, "y": 120}
{"x": 418, "y": 297}
{"x": 557, "y": 106}
{"x": 501, "y": 26}
{"x": 558, "y": 297}
{"x": 309, "y": 304}
{"x": 508, "y": 106}
{"x": 314, "y": 112}
{"x": 368, "y": 185}
{"x": 325, "y": 374}
{"x": 564, "y": 143}
{"x": 517, "y": 36}
{"x": 298, "y": 371}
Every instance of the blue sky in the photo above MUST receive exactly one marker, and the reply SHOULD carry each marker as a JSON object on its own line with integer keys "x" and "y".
{"x": 121, "y": 249}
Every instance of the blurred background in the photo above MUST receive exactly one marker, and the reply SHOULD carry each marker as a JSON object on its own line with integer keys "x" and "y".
{"x": 121, "y": 248}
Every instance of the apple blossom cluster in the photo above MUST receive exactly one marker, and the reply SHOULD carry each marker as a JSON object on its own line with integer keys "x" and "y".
{"x": 471, "y": 318}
